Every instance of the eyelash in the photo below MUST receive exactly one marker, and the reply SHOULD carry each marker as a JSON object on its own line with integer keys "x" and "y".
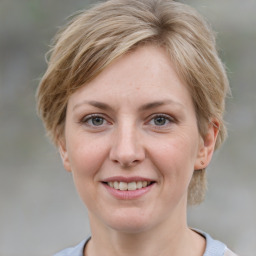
{"x": 166, "y": 117}
{"x": 87, "y": 120}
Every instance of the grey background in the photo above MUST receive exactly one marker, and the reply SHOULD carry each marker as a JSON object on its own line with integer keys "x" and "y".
{"x": 40, "y": 212}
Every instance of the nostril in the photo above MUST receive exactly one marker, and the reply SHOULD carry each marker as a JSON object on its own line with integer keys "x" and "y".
{"x": 128, "y": 164}
{"x": 126, "y": 147}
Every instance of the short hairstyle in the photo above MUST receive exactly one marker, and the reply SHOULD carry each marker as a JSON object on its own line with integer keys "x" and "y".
{"x": 94, "y": 38}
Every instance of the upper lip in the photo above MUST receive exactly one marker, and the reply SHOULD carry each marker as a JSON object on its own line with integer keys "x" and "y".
{"x": 126, "y": 179}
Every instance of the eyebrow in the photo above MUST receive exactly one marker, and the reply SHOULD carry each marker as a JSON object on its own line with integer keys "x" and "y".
{"x": 93, "y": 103}
{"x": 147, "y": 106}
{"x": 156, "y": 104}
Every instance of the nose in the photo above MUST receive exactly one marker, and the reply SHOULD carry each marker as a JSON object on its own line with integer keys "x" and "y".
{"x": 127, "y": 149}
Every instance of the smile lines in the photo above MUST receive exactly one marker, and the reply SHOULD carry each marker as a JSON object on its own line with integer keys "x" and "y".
{"x": 129, "y": 185}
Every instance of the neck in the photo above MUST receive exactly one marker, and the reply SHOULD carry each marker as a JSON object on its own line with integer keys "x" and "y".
{"x": 167, "y": 238}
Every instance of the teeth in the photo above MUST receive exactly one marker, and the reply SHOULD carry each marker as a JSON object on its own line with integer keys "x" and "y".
{"x": 139, "y": 184}
{"x": 132, "y": 186}
{"x": 123, "y": 186}
{"x": 129, "y": 186}
{"x": 116, "y": 185}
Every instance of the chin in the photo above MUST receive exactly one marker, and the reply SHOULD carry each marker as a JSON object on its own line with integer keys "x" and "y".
{"x": 131, "y": 221}
{"x": 130, "y": 226}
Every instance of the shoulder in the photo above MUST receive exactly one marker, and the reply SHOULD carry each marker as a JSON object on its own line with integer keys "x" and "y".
{"x": 229, "y": 253}
{"x": 77, "y": 250}
{"x": 215, "y": 247}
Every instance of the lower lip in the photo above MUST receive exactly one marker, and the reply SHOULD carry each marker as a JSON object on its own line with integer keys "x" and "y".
{"x": 128, "y": 194}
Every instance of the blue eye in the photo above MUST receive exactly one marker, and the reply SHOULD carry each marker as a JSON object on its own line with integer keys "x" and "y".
{"x": 97, "y": 121}
{"x": 94, "y": 120}
{"x": 161, "y": 120}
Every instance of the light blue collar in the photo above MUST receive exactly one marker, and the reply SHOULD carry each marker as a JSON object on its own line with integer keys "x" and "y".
{"x": 213, "y": 247}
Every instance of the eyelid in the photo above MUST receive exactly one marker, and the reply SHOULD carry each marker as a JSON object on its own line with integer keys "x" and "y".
{"x": 167, "y": 116}
{"x": 171, "y": 120}
{"x": 84, "y": 120}
{"x": 89, "y": 116}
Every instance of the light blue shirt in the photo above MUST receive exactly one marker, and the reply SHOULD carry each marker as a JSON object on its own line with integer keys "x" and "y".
{"x": 213, "y": 248}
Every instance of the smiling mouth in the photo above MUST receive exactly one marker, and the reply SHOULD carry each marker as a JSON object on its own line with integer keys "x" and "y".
{"x": 128, "y": 186}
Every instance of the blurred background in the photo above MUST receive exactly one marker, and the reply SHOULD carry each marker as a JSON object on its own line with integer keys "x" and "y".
{"x": 40, "y": 212}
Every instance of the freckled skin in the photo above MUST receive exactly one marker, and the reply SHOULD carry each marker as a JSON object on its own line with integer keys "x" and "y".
{"x": 129, "y": 143}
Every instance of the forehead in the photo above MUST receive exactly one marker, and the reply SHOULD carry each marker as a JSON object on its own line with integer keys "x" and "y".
{"x": 144, "y": 74}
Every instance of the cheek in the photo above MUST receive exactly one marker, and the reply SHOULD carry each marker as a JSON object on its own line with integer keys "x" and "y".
{"x": 86, "y": 160}
{"x": 175, "y": 156}
{"x": 86, "y": 155}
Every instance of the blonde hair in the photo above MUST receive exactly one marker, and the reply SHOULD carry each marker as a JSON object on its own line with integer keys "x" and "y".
{"x": 98, "y": 36}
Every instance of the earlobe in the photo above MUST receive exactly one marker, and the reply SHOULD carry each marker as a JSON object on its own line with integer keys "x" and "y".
{"x": 206, "y": 146}
{"x": 64, "y": 155}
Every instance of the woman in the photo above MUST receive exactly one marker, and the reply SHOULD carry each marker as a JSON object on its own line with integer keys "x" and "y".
{"x": 133, "y": 97}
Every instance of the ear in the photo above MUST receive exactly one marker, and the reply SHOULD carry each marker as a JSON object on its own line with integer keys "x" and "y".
{"x": 64, "y": 154}
{"x": 207, "y": 145}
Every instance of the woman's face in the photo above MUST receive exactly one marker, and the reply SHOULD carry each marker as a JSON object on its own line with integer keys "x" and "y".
{"x": 132, "y": 143}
